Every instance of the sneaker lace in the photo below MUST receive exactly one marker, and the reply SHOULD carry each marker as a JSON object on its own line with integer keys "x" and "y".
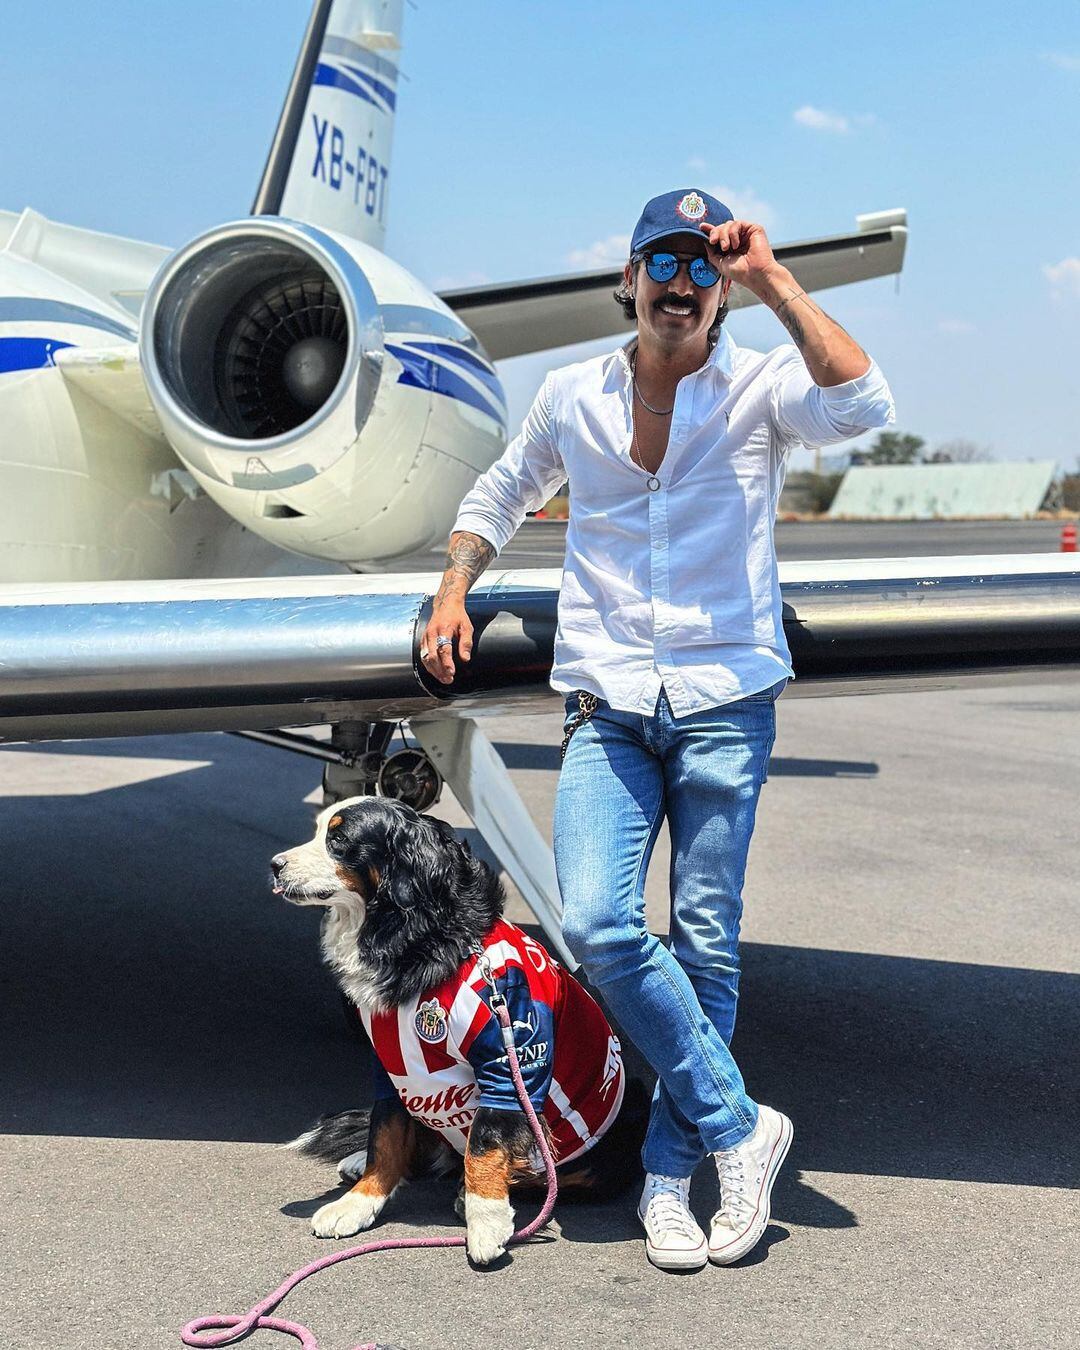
{"x": 731, "y": 1169}
{"x": 668, "y": 1206}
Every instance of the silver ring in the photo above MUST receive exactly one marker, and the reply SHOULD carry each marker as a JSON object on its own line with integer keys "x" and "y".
{"x": 443, "y": 641}
{"x": 423, "y": 653}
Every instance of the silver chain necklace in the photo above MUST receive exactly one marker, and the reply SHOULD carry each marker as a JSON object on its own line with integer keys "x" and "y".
{"x": 657, "y": 412}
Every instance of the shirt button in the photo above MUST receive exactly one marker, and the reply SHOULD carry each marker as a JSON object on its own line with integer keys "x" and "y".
{"x": 652, "y": 483}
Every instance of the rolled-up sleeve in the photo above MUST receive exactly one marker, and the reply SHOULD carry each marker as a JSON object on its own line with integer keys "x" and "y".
{"x": 803, "y": 411}
{"x": 528, "y": 473}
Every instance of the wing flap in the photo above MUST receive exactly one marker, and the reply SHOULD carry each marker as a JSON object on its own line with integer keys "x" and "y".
{"x": 530, "y": 316}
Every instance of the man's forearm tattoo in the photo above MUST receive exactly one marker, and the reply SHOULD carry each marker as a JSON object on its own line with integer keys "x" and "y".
{"x": 465, "y": 560}
{"x": 786, "y": 315}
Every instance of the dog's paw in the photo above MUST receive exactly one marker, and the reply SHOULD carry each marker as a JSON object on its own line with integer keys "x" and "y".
{"x": 459, "y": 1204}
{"x": 490, "y": 1224}
{"x": 351, "y": 1214}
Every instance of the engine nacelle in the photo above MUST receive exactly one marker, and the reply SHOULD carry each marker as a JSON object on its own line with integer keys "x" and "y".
{"x": 318, "y": 392}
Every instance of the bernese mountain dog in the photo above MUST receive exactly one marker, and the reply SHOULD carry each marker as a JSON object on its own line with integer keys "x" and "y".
{"x": 410, "y": 917}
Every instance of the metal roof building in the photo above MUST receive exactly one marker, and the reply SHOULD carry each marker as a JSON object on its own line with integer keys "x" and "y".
{"x": 938, "y": 491}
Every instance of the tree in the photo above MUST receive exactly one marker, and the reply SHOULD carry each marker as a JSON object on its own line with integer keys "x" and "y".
{"x": 958, "y": 452}
{"x": 890, "y": 447}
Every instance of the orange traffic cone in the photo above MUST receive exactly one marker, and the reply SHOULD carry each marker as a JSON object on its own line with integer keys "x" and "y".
{"x": 1068, "y": 539}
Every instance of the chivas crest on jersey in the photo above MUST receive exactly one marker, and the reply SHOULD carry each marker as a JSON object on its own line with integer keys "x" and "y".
{"x": 431, "y": 1021}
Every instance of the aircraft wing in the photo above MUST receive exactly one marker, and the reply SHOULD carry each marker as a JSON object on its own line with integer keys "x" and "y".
{"x": 112, "y": 377}
{"x": 530, "y": 316}
{"x": 141, "y": 657}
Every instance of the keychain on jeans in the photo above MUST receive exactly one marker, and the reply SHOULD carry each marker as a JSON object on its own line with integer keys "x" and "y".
{"x": 587, "y": 705}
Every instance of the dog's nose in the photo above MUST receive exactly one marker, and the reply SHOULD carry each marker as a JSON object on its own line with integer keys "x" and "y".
{"x": 277, "y": 862}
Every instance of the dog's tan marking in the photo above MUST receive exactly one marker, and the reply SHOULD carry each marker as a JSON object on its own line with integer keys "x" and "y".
{"x": 334, "y": 823}
{"x": 373, "y": 876}
{"x": 390, "y": 1156}
{"x": 350, "y": 880}
{"x": 488, "y": 1174}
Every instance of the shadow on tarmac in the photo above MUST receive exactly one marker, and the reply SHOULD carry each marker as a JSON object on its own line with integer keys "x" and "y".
{"x": 156, "y": 989}
{"x": 428, "y": 1203}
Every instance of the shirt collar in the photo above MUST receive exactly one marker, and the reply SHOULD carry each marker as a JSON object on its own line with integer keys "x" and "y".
{"x": 721, "y": 359}
{"x": 722, "y": 356}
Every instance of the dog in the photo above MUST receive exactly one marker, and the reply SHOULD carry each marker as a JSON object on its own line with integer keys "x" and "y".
{"x": 408, "y": 910}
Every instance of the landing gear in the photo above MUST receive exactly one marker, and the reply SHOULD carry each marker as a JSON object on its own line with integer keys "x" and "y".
{"x": 410, "y": 777}
{"x": 359, "y": 750}
{"x": 364, "y": 767}
{"x": 357, "y": 762}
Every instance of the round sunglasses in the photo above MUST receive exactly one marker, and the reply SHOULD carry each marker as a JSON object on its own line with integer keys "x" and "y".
{"x": 663, "y": 266}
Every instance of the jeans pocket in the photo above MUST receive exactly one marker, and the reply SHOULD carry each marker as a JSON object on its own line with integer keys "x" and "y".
{"x": 769, "y": 695}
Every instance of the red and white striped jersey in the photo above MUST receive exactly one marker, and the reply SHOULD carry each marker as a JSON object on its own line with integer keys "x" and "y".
{"x": 442, "y": 1053}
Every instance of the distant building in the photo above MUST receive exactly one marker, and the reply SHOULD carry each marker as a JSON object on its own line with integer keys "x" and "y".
{"x": 940, "y": 491}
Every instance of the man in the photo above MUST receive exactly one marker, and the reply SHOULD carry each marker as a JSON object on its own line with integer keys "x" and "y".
{"x": 671, "y": 654}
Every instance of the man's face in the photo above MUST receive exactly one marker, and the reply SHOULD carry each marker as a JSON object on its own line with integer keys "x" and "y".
{"x": 675, "y": 312}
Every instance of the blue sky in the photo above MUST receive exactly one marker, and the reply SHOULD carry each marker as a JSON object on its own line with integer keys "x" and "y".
{"x": 529, "y": 135}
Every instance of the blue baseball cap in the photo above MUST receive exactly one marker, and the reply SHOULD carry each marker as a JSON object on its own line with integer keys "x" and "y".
{"x": 679, "y": 212}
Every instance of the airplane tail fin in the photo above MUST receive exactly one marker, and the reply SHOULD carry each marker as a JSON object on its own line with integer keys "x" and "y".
{"x": 329, "y": 163}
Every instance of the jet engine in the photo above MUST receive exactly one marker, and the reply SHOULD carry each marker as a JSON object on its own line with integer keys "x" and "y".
{"x": 317, "y": 392}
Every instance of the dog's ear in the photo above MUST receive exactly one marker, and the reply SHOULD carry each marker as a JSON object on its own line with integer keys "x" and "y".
{"x": 420, "y": 866}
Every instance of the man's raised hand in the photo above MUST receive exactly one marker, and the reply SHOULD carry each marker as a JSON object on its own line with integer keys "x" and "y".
{"x": 741, "y": 250}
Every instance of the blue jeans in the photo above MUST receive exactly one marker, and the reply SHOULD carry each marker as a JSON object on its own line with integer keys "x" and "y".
{"x": 622, "y": 774}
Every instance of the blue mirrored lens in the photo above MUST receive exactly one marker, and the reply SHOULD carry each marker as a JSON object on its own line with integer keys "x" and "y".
{"x": 662, "y": 266}
{"x": 702, "y": 273}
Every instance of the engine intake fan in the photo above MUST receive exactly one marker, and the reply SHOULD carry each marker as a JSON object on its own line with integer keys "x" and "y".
{"x": 280, "y": 354}
{"x": 261, "y": 345}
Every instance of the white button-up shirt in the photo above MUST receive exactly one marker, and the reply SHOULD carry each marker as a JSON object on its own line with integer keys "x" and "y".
{"x": 670, "y": 579}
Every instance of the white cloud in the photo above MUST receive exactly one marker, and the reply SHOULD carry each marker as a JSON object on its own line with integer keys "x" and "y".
{"x": 745, "y": 204}
{"x": 956, "y": 327}
{"x": 1064, "y": 278}
{"x": 818, "y": 120}
{"x": 609, "y": 252}
{"x": 696, "y": 163}
{"x": 1063, "y": 61}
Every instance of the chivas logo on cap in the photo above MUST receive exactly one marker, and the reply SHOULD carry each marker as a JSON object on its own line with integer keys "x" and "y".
{"x": 692, "y": 207}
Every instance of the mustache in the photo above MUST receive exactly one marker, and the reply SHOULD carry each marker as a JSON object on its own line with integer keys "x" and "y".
{"x": 685, "y": 301}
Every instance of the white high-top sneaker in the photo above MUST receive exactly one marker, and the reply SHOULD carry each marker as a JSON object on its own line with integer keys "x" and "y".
{"x": 747, "y": 1173}
{"x": 673, "y": 1239}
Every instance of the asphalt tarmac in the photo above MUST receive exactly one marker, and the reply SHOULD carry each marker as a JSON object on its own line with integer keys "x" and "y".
{"x": 910, "y": 998}
{"x": 540, "y": 543}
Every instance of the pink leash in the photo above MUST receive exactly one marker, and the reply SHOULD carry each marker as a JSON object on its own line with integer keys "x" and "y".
{"x": 195, "y": 1332}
